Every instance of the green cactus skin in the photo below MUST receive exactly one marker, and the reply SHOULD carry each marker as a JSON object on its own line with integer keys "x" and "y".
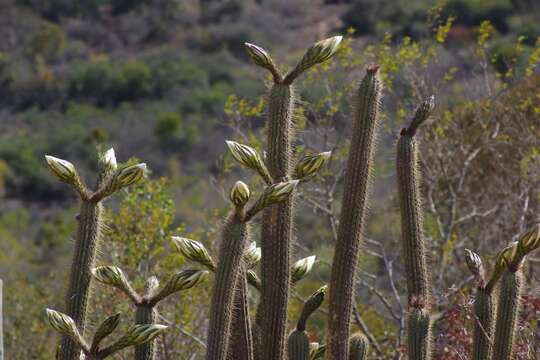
{"x": 419, "y": 334}
{"x": 241, "y": 347}
{"x": 508, "y": 307}
{"x": 411, "y": 218}
{"x": 146, "y": 314}
{"x": 358, "y": 347}
{"x": 351, "y": 226}
{"x": 484, "y": 310}
{"x": 87, "y": 240}
{"x": 1, "y": 322}
{"x": 233, "y": 243}
{"x": 277, "y": 228}
{"x": 298, "y": 345}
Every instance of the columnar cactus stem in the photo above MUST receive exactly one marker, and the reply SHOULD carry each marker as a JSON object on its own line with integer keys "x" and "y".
{"x": 277, "y": 219}
{"x": 414, "y": 252}
{"x": 484, "y": 311}
{"x": 351, "y": 225}
{"x": 86, "y": 244}
{"x": 508, "y": 308}
{"x": 146, "y": 314}
{"x": 233, "y": 243}
{"x": 359, "y": 347}
{"x": 419, "y": 334}
{"x": 1, "y": 322}
{"x": 88, "y": 233}
{"x": 241, "y": 347}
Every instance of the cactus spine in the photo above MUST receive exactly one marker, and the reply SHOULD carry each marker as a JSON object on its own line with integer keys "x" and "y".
{"x": 351, "y": 225}
{"x": 277, "y": 219}
{"x": 359, "y": 347}
{"x": 88, "y": 233}
{"x": 414, "y": 253}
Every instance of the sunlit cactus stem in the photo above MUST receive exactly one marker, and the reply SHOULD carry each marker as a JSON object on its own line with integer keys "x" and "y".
{"x": 414, "y": 252}
{"x": 353, "y": 213}
{"x": 277, "y": 219}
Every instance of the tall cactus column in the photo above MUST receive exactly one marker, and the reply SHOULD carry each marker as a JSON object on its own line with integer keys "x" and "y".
{"x": 351, "y": 225}
{"x": 278, "y": 219}
{"x": 414, "y": 253}
{"x": 88, "y": 235}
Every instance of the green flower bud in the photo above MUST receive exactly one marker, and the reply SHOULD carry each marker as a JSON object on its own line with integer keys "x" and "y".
{"x": 506, "y": 256}
{"x": 129, "y": 175}
{"x": 529, "y": 240}
{"x": 260, "y": 56}
{"x": 105, "y": 329}
{"x": 194, "y": 251}
{"x": 252, "y": 255}
{"x": 311, "y": 164}
{"x": 310, "y": 306}
{"x": 62, "y": 169}
{"x": 249, "y": 157}
{"x": 135, "y": 336}
{"x": 113, "y": 276}
{"x": 274, "y": 194}
{"x": 302, "y": 268}
{"x": 108, "y": 160}
{"x": 319, "y": 53}
{"x": 63, "y": 324}
{"x": 183, "y": 280}
{"x": 253, "y": 279}
{"x": 239, "y": 194}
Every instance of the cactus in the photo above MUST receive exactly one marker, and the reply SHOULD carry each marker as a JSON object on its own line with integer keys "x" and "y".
{"x": 135, "y": 336}
{"x": 146, "y": 305}
{"x": 351, "y": 225}
{"x": 277, "y": 220}
{"x": 88, "y": 235}
{"x": 414, "y": 253}
{"x": 358, "y": 347}
{"x": 229, "y": 270}
{"x": 298, "y": 343}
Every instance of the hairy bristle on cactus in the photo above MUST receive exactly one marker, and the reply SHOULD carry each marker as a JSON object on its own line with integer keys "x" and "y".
{"x": 358, "y": 347}
{"x": 233, "y": 244}
{"x": 351, "y": 225}
{"x": 508, "y": 307}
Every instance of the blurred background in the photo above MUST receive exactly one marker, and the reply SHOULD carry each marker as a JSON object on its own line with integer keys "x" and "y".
{"x": 168, "y": 81}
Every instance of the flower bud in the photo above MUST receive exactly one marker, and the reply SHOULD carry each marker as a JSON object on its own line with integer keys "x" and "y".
{"x": 105, "y": 329}
{"x": 260, "y": 56}
{"x": 239, "y": 194}
{"x": 108, "y": 160}
{"x": 474, "y": 262}
{"x": 529, "y": 240}
{"x": 62, "y": 169}
{"x": 194, "y": 251}
{"x": 249, "y": 157}
{"x": 506, "y": 256}
{"x": 129, "y": 175}
{"x": 62, "y": 323}
{"x": 274, "y": 194}
{"x": 111, "y": 275}
{"x": 183, "y": 280}
{"x": 137, "y": 335}
{"x": 311, "y": 164}
{"x": 318, "y": 53}
{"x": 252, "y": 255}
{"x": 253, "y": 279}
{"x": 316, "y": 351}
{"x": 301, "y": 268}
{"x": 310, "y": 306}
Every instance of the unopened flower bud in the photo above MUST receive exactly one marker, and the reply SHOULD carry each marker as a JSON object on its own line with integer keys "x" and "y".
{"x": 111, "y": 275}
{"x": 108, "y": 160}
{"x": 62, "y": 169}
{"x": 194, "y": 251}
{"x": 529, "y": 240}
{"x": 274, "y": 194}
{"x": 183, "y": 280}
{"x": 129, "y": 175}
{"x": 249, "y": 157}
{"x": 260, "y": 56}
{"x": 318, "y": 53}
{"x": 239, "y": 194}
{"x": 311, "y": 164}
{"x": 105, "y": 329}
{"x": 62, "y": 323}
{"x": 252, "y": 255}
{"x": 302, "y": 268}
{"x": 474, "y": 263}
